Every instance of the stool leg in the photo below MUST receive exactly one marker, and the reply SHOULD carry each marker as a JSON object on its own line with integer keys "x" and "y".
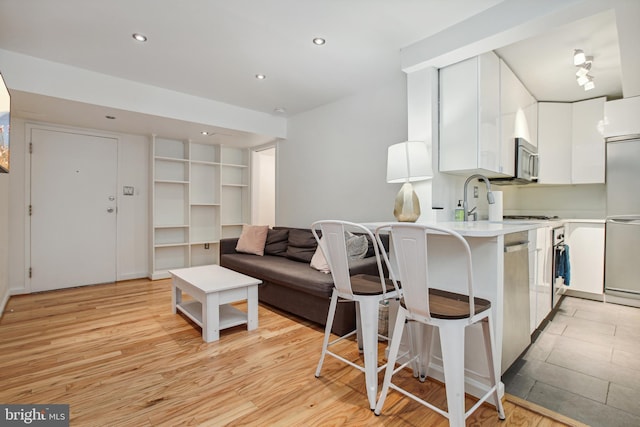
{"x": 369, "y": 324}
{"x": 327, "y": 330}
{"x": 393, "y": 355}
{"x": 452, "y": 342}
{"x": 493, "y": 367}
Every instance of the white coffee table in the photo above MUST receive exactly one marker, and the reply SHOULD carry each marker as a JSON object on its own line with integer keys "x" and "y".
{"x": 214, "y": 288}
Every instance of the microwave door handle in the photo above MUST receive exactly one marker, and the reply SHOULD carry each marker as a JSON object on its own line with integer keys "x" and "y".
{"x": 533, "y": 165}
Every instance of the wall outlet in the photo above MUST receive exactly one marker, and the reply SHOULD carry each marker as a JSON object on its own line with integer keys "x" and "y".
{"x": 475, "y": 191}
{"x": 206, "y": 246}
{"x": 127, "y": 190}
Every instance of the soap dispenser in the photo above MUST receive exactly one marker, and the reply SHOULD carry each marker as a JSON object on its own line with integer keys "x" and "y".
{"x": 459, "y": 213}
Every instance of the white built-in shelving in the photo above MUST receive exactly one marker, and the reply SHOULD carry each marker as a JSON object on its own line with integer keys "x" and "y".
{"x": 200, "y": 194}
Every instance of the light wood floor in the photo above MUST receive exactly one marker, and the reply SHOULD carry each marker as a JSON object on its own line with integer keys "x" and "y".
{"x": 118, "y": 356}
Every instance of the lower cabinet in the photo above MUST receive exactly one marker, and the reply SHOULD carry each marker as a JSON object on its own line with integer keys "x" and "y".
{"x": 586, "y": 256}
{"x": 540, "y": 270}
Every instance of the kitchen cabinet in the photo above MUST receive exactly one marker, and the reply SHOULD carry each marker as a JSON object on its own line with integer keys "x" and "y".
{"x": 621, "y": 117}
{"x": 469, "y": 116}
{"x": 540, "y": 271}
{"x": 586, "y": 256}
{"x": 518, "y": 116}
{"x": 199, "y": 195}
{"x": 571, "y": 145}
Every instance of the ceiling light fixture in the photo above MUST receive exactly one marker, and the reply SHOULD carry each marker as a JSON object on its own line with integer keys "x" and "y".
{"x": 139, "y": 37}
{"x": 110, "y": 117}
{"x": 584, "y": 69}
{"x": 578, "y": 57}
{"x": 319, "y": 41}
{"x": 260, "y": 76}
{"x": 206, "y": 133}
{"x": 584, "y": 64}
{"x": 280, "y": 110}
{"x": 590, "y": 84}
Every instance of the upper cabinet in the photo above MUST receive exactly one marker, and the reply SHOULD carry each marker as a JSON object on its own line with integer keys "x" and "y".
{"x": 470, "y": 116}
{"x": 483, "y": 108}
{"x": 518, "y": 116}
{"x": 621, "y": 117}
{"x": 570, "y": 142}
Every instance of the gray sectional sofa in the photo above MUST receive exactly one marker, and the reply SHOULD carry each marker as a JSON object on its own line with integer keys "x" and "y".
{"x": 289, "y": 282}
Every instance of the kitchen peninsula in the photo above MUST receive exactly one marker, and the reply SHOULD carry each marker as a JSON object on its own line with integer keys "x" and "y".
{"x": 498, "y": 277}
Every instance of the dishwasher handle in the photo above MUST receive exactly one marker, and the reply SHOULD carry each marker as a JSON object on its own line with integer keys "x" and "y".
{"x": 515, "y": 247}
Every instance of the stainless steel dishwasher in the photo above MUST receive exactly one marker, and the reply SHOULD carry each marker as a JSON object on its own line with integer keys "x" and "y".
{"x": 515, "y": 332}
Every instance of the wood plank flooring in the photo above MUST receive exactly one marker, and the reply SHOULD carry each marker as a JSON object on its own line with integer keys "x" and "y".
{"x": 118, "y": 356}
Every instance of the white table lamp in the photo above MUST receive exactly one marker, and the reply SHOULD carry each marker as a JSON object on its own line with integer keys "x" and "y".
{"x": 408, "y": 162}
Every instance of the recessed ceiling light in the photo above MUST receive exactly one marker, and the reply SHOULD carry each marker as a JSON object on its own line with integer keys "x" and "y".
{"x": 139, "y": 37}
{"x": 206, "y": 133}
{"x": 260, "y": 76}
{"x": 319, "y": 41}
{"x": 111, "y": 117}
{"x": 279, "y": 110}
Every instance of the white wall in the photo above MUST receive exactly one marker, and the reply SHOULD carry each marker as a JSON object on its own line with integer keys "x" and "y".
{"x": 333, "y": 164}
{"x": 4, "y": 241}
{"x": 133, "y": 211}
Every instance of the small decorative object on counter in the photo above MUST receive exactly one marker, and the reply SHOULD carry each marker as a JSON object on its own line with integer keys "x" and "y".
{"x": 459, "y": 214}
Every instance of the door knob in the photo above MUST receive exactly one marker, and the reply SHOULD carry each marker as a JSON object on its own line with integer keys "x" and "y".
{"x": 110, "y": 210}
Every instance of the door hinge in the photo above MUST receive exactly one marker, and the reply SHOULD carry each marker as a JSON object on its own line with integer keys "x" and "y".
{"x": 30, "y": 272}
{"x": 30, "y": 210}
{"x": 31, "y": 148}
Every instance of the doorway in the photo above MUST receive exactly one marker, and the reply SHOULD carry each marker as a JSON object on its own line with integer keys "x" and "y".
{"x": 72, "y": 210}
{"x": 263, "y": 185}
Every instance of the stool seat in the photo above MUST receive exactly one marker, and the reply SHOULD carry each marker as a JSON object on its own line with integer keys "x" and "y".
{"x": 450, "y": 305}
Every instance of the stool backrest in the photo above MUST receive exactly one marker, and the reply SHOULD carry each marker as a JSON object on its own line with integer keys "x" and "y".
{"x": 333, "y": 243}
{"x": 409, "y": 244}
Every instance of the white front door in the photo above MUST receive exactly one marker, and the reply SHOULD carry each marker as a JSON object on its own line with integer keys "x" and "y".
{"x": 73, "y": 209}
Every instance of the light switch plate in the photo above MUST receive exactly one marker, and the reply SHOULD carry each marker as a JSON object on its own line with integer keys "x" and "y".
{"x": 127, "y": 190}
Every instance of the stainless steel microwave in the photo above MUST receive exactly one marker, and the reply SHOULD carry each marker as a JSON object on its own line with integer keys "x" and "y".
{"x": 526, "y": 167}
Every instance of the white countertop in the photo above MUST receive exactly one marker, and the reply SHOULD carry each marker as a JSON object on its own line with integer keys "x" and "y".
{"x": 484, "y": 228}
{"x": 481, "y": 228}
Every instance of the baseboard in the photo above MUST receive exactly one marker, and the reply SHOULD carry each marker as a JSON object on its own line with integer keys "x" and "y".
{"x": 132, "y": 276}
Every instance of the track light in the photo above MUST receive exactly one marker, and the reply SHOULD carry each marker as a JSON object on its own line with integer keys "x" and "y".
{"x": 584, "y": 69}
{"x": 589, "y": 85}
{"x": 584, "y": 64}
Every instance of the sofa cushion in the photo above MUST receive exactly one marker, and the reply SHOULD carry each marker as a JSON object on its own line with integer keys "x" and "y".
{"x": 252, "y": 239}
{"x": 291, "y": 274}
{"x": 277, "y": 242}
{"x": 301, "y": 245}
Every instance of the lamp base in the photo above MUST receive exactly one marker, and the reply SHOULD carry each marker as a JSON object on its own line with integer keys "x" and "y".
{"x": 407, "y": 207}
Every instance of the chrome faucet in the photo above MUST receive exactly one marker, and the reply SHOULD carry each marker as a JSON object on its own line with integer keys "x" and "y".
{"x": 490, "y": 198}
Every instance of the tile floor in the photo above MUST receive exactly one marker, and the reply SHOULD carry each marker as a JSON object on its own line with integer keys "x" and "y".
{"x": 585, "y": 364}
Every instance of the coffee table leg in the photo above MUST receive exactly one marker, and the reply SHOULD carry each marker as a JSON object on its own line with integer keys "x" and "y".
{"x": 211, "y": 317}
{"x": 252, "y": 307}
{"x": 176, "y": 296}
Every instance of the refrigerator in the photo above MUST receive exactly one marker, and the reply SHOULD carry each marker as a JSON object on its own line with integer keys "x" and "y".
{"x": 622, "y": 232}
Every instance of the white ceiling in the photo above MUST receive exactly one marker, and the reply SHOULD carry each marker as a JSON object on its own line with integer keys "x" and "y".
{"x": 214, "y": 48}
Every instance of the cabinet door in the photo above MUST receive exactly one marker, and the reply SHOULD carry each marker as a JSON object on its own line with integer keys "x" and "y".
{"x": 554, "y": 142}
{"x": 515, "y": 114}
{"x": 459, "y": 116}
{"x": 489, "y": 113}
{"x": 586, "y": 255}
{"x": 588, "y": 146}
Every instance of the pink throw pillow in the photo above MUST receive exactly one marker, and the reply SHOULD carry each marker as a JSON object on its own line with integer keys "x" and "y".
{"x": 253, "y": 239}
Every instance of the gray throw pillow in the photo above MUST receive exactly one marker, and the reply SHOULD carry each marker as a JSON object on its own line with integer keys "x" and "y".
{"x": 357, "y": 246}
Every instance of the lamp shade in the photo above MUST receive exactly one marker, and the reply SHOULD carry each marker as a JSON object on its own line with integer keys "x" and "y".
{"x": 408, "y": 161}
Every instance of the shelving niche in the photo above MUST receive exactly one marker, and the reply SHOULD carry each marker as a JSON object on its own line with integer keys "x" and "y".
{"x": 200, "y": 194}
